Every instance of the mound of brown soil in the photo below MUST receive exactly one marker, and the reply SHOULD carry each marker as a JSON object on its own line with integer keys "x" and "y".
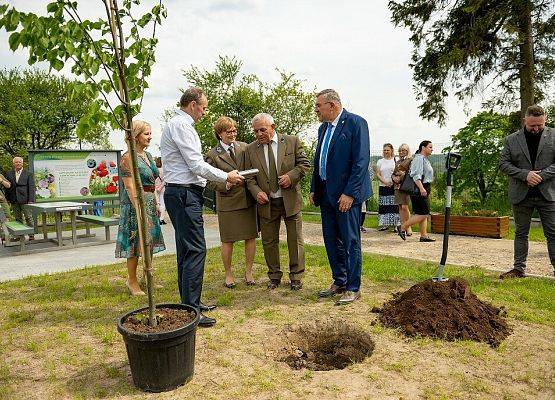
{"x": 445, "y": 310}
{"x": 324, "y": 345}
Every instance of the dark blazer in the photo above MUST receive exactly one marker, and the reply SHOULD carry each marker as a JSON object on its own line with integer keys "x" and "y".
{"x": 236, "y": 198}
{"x": 22, "y": 192}
{"x": 347, "y": 162}
{"x": 291, "y": 160}
{"x": 515, "y": 162}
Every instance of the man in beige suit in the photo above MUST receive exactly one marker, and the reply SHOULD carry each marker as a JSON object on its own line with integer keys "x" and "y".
{"x": 282, "y": 164}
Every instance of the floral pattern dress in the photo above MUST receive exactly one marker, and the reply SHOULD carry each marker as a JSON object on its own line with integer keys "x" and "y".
{"x": 127, "y": 243}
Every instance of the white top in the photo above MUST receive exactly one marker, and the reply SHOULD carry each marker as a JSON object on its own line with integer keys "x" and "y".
{"x": 274, "y": 144}
{"x": 182, "y": 153}
{"x": 386, "y": 168}
{"x": 17, "y": 175}
{"x": 333, "y": 126}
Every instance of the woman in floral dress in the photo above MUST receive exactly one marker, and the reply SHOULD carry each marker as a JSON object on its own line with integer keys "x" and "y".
{"x": 127, "y": 243}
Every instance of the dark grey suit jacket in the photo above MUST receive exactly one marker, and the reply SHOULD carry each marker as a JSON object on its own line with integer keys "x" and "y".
{"x": 515, "y": 162}
{"x": 21, "y": 192}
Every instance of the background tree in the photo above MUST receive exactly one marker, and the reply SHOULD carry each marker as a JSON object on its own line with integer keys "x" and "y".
{"x": 37, "y": 111}
{"x": 480, "y": 143}
{"x": 113, "y": 56}
{"x": 473, "y": 46}
{"x": 241, "y": 97}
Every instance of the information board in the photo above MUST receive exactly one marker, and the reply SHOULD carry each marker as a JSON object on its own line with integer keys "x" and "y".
{"x": 75, "y": 174}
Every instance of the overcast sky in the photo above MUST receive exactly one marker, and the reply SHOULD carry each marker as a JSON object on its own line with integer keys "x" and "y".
{"x": 350, "y": 46}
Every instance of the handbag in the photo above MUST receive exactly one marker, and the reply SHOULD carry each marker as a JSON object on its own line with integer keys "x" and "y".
{"x": 408, "y": 186}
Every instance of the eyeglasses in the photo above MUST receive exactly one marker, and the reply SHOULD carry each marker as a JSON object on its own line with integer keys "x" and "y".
{"x": 231, "y": 131}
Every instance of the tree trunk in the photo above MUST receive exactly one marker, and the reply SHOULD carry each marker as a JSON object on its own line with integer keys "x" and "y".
{"x": 526, "y": 50}
{"x": 144, "y": 237}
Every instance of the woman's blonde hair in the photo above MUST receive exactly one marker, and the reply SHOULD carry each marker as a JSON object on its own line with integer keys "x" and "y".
{"x": 406, "y": 147}
{"x": 223, "y": 124}
{"x": 139, "y": 127}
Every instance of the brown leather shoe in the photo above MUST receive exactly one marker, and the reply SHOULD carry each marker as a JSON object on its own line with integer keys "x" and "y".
{"x": 513, "y": 273}
{"x": 296, "y": 285}
{"x": 348, "y": 297}
{"x": 332, "y": 291}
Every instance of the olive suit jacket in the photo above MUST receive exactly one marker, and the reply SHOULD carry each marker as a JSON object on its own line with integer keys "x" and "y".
{"x": 291, "y": 160}
{"x": 236, "y": 198}
{"x": 515, "y": 162}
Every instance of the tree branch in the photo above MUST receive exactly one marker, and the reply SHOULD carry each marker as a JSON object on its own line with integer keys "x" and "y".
{"x": 78, "y": 20}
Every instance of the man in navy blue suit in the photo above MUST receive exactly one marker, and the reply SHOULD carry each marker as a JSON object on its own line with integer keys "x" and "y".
{"x": 340, "y": 184}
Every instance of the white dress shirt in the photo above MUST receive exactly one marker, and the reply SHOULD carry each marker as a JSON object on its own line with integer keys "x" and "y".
{"x": 182, "y": 153}
{"x": 274, "y": 144}
{"x": 17, "y": 175}
{"x": 333, "y": 126}
{"x": 226, "y": 146}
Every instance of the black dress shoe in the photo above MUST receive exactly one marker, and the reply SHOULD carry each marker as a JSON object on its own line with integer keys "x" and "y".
{"x": 206, "y": 321}
{"x": 332, "y": 291}
{"x": 206, "y": 307}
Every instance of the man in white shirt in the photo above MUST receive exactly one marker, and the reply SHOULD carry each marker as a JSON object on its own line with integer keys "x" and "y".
{"x": 185, "y": 174}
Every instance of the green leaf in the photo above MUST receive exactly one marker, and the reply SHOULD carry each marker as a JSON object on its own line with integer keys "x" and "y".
{"x": 52, "y": 7}
{"x": 14, "y": 41}
{"x": 57, "y": 64}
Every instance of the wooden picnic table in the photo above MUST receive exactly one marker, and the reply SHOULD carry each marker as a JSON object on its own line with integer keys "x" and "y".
{"x": 58, "y": 208}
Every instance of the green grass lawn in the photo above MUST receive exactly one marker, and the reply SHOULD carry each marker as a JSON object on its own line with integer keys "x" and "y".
{"x": 59, "y": 338}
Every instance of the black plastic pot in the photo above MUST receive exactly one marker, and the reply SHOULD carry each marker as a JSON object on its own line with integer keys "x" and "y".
{"x": 161, "y": 361}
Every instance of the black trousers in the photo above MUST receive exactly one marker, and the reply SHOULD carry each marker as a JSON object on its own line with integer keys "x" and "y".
{"x": 184, "y": 206}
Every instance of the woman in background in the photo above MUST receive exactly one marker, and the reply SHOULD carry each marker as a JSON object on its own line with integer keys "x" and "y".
{"x": 388, "y": 210}
{"x": 402, "y": 166}
{"x": 160, "y": 188}
{"x": 422, "y": 173}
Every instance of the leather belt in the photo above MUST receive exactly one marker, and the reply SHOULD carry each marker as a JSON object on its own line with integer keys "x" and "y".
{"x": 187, "y": 186}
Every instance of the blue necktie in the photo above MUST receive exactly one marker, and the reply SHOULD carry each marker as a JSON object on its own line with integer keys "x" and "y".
{"x": 324, "y": 155}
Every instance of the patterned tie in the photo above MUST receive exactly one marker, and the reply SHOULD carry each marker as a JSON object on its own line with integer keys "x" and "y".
{"x": 232, "y": 154}
{"x": 324, "y": 155}
{"x": 274, "y": 187}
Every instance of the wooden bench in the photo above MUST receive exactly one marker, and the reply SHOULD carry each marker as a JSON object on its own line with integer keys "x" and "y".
{"x": 18, "y": 230}
{"x": 106, "y": 222}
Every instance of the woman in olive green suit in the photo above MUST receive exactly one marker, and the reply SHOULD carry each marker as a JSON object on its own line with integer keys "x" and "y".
{"x": 236, "y": 207}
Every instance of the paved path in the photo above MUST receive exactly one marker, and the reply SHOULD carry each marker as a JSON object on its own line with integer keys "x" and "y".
{"x": 19, "y": 266}
{"x": 493, "y": 254}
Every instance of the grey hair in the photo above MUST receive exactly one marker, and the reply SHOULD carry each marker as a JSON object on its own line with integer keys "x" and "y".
{"x": 263, "y": 116}
{"x": 330, "y": 95}
{"x": 17, "y": 158}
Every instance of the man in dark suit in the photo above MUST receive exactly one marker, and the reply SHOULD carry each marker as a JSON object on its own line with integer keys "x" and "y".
{"x": 528, "y": 158}
{"x": 340, "y": 184}
{"x": 282, "y": 163}
{"x": 21, "y": 192}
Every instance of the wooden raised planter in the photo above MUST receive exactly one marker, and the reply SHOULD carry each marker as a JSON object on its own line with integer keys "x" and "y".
{"x": 492, "y": 227}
